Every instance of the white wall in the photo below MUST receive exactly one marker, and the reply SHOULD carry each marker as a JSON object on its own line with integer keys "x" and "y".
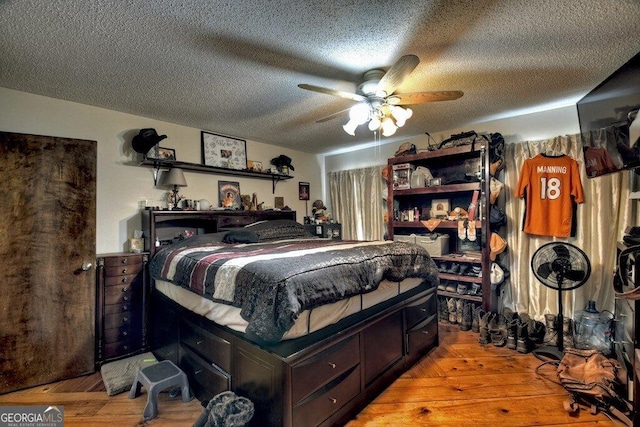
{"x": 120, "y": 183}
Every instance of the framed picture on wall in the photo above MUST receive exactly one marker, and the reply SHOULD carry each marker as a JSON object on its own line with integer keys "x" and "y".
{"x": 303, "y": 190}
{"x": 229, "y": 194}
{"x": 224, "y": 151}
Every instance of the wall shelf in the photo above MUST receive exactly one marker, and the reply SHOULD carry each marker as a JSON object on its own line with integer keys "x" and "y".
{"x": 194, "y": 167}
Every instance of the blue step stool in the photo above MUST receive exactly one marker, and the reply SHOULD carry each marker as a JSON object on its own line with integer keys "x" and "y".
{"x": 156, "y": 378}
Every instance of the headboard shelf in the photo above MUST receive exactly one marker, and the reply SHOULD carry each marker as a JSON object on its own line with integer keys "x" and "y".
{"x": 166, "y": 225}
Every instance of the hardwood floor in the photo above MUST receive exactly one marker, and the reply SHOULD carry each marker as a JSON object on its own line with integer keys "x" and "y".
{"x": 460, "y": 382}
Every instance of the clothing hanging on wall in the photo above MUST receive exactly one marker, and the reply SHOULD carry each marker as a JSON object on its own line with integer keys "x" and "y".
{"x": 551, "y": 187}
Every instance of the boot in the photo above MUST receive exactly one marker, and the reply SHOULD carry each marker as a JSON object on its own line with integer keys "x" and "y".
{"x": 511, "y": 320}
{"x": 484, "y": 337}
{"x": 550, "y": 335}
{"x": 478, "y": 312}
{"x": 536, "y": 332}
{"x": 451, "y": 306}
{"x": 459, "y": 308}
{"x": 524, "y": 344}
{"x": 567, "y": 332}
{"x": 467, "y": 314}
{"x": 498, "y": 330}
{"x": 443, "y": 313}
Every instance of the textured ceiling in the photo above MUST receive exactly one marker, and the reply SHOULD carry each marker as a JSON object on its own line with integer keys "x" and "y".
{"x": 232, "y": 67}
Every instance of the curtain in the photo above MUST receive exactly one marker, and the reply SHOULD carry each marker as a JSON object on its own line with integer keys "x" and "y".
{"x": 356, "y": 200}
{"x": 600, "y": 222}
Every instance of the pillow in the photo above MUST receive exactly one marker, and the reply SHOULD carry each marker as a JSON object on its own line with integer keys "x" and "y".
{"x": 279, "y": 229}
{"x": 240, "y": 236}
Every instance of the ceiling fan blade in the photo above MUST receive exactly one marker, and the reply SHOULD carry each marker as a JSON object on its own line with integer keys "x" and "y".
{"x": 333, "y": 92}
{"x": 332, "y": 116}
{"x": 397, "y": 73}
{"x": 423, "y": 97}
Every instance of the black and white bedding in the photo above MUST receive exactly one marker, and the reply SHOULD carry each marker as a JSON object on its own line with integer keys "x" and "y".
{"x": 279, "y": 271}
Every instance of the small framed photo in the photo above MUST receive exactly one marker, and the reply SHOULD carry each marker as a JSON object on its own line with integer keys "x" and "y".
{"x": 435, "y": 181}
{"x": 166, "y": 153}
{"x": 303, "y": 190}
{"x": 229, "y": 194}
{"x": 254, "y": 165}
{"x": 440, "y": 208}
{"x": 278, "y": 202}
{"x": 224, "y": 151}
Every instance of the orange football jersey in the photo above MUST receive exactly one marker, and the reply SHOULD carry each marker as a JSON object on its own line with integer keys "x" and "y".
{"x": 551, "y": 187}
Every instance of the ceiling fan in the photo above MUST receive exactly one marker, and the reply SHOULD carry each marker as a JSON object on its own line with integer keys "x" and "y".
{"x": 376, "y": 101}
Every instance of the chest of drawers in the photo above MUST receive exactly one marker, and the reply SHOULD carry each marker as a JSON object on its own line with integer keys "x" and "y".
{"x": 120, "y": 307}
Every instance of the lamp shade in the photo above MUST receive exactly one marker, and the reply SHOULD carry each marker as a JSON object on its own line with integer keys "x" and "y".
{"x": 175, "y": 177}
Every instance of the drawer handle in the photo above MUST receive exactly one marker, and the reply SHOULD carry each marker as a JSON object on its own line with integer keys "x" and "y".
{"x": 124, "y": 260}
{"x": 125, "y": 271}
{"x": 199, "y": 342}
{"x": 333, "y": 400}
{"x": 333, "y": 365}
{"x": 125, "y": 333}
{"x": 126, "y": 347}
{"x": 424, "y": 310}
{"x": 125, "y": 279}
{"x": 125, "y": 289}
{"x": 125, "y": 308}
{"x": 125, "y": 319}
{"x": 198, "y": 372}
{"x": 126, "y": 298}
{"x": 425, "y": 332}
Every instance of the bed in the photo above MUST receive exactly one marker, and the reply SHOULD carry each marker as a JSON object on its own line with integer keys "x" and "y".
{"x": 289, "y": 320}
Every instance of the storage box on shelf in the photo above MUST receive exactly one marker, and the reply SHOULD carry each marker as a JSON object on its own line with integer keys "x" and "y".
{"x": 461, "y": 175}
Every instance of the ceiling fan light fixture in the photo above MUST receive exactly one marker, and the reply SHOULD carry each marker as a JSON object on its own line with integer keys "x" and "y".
{"x": 350, "y": 127}
{"x": 374, "y": 124}
{"x": 359, "y": 113}
{"x": 388, "y": 127}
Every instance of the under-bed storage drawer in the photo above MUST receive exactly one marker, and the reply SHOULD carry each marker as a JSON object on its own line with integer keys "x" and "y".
{"x": 327, "y": 400}
{"x": 323, "y": 367}
{"x": 205, "y": 379}
{"x": 383, "y": 344}
{"x": 420, "y": 310}
{"x": 421, "y": 338}
{"x": 211, "y": 348}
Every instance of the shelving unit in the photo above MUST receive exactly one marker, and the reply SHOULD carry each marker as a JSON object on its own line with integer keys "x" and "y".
{"x": 194, "y": 167}
{"x": 450, "y": 165}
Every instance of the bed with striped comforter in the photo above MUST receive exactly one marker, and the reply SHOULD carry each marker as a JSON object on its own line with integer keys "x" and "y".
{"x": 272, "y": 282}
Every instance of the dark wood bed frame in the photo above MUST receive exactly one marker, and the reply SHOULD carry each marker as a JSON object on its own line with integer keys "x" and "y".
{"x": 325, "y": 378}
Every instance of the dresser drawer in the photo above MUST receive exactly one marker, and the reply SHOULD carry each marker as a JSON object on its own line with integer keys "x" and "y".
{"x": 123, "y": 260}
{"x": 206, "y": 380}
{"x": 212, "y": 348}
{"x": 122, "y": 280}
{"x": 324, "y": 366}
{"x": 123, "y": 270}
{"x": 326, "y": 401}
{"x": 420, "y": 310}
{"x": 119, "y": 320}
{"x": 124, "y": 307}
{"x": 121, "y": 348}
{"x": 122, "y": 333}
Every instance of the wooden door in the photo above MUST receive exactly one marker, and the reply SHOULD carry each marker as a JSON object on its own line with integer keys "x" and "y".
{"x": 47, "y": 233}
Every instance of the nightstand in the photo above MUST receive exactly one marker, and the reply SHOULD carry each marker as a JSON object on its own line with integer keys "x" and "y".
{"x": 121, "y": 297}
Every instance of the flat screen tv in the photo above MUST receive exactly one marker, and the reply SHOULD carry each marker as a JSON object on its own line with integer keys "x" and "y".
{"x": 609, "y": 122}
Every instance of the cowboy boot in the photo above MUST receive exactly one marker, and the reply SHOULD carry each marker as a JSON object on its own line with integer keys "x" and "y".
{"x": 478, "y": 312}
{"x": 484, "y": 328}
{"x": 459, "y": 308}
{"x": 467, "y": 315}
{"x": 567, "y": 333}
{"x": 550, "y": 335}
{"x": 524, "y": 344}
{"x": 451, "y": 307}
{"x": 498, "y": 330}
{"x": 536, "y": 331}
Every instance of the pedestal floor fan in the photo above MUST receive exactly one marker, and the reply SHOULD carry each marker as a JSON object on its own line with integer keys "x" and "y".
{"x": 563, "y": 267}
